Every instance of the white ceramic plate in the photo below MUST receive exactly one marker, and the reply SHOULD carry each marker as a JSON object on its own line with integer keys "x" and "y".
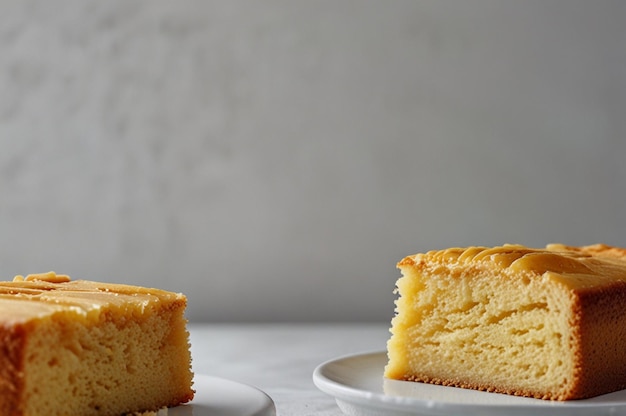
{"x": 358, "y": 385}
{"x": 220, "y": 397}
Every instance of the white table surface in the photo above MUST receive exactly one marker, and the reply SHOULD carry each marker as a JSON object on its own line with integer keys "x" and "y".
{"x": 280, "y": 358}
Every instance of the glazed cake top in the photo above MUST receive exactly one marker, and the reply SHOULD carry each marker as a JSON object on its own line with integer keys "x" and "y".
{"x": 41, "y": 295}
{"x": 576, "y": 267}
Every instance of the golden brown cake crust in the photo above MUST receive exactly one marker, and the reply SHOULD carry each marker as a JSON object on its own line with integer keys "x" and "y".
{"x": 590, "y": 280}
{"x": 11, "y": 367}
{"x": 601, "y": 337}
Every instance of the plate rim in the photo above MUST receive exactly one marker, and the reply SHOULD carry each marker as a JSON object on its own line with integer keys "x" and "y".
{"x": 358, "y": 396}
{"x": 268, "y": 408}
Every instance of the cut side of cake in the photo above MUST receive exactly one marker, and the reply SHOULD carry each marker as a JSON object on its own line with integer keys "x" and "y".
{"x": 546, "y": 323}
{"x": 70, "y": 348}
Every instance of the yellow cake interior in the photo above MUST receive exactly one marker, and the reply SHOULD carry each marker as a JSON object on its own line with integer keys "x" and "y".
{"x": 111, "y": 348}
{"x": 500, "y": 317}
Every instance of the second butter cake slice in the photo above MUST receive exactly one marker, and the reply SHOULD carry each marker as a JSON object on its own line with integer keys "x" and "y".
{"x": 545, "y": 323}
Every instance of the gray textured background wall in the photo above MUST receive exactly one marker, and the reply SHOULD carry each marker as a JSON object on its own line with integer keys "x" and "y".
{"x": 275, "y": 159}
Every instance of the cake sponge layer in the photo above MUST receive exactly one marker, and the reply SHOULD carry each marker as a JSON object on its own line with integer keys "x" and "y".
{"x": 546, "y": 323}
{"x": 87, "y": 348}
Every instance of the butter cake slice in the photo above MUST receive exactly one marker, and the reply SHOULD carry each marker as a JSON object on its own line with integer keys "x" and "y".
{"x": 82, "y": 348}
{"x": 545, "y": 323}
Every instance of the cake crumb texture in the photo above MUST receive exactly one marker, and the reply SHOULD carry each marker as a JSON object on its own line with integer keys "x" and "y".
{"x": 87, "y": 348}
{"x": 545, "y": 323}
